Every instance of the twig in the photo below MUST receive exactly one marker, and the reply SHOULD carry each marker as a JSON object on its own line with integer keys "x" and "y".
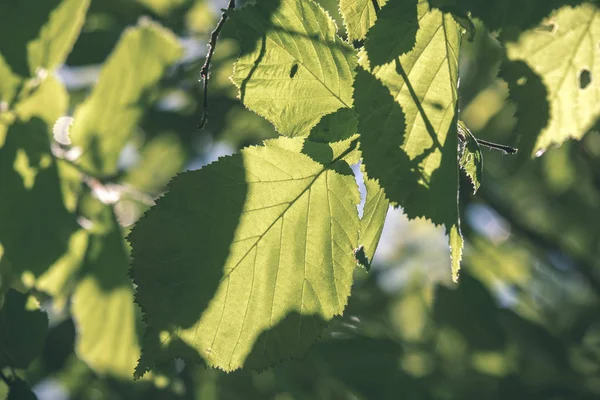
{"x": 496, "y": 146}
{"x": 376, "y": 5}
{"x": 206, "y": 67}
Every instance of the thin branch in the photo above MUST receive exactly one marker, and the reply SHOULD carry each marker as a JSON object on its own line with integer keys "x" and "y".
{"x": 376, "y": 5}
{"x": 496, "y": 146}
{"x": 204, "y": 72}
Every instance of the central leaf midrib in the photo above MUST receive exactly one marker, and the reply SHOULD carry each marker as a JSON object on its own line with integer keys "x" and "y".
{"x": 291, "y": 204}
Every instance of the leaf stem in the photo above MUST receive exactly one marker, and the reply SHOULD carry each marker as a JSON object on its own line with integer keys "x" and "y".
{"x": 204, "y": 72}
{"x": 496, "y": 146}
{"x": 376, "y": 5}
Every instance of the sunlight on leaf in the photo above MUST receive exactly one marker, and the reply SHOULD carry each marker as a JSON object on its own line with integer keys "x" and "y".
{"x": 281, "y": 229}
{"x": 359, "y": 16}
{"x": 407, "y": 122}
{"x": 560, "y": 57}
{"x": 293, "y": 68}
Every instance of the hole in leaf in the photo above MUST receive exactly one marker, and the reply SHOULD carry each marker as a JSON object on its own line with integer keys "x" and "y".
{"x": 294, "y": 70}
{"x": 585, "y": 78}
{"x": 550, "y": 27}
{"x": 521, "y": 81}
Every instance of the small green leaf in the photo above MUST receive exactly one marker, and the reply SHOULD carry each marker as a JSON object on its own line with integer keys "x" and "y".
{"x": 567, "y": 60}
{"x": 282, "y": 36}
{"x": 374, "y": 213}
{"x": 359, "y": 16}
{"x": 107, "y": 118}
{"x": 471, "y": 159}
{"x": 23, "y": 330}
{"x": 102, "y": 303}
{"x": 242, "y": 262}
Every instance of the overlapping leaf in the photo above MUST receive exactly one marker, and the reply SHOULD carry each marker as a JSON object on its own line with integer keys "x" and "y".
{"x": 359, "y": 16}
{"x": 107, "y": 118}
{"x": 241, "y": 262}
{"x": 408, "y": 124}
{"x": 567, "y": 60}
{"x": 374, "y": 213}
{"x": 293, "y": 68}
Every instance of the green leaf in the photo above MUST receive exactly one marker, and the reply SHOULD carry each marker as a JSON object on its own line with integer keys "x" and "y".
{"x": 43, "y": 42}
{"x": 102, "y": 304}
{"x": 293, "y": 68}
{"x": 241, "y": 262}
{"x": 108, "y": 117}
{"x": 359, "y": 16}
{"x": 375, "y": 211}
{"x": 23, "y": 330}
{"x": 471, "y": 159}
{"x": 395, "y": 32}
{"x": 567, "y": 60}
{"x": 32, "y": 208}
{"x": 408, "y": 123}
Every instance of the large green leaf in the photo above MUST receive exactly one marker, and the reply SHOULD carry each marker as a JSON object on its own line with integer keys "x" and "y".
{"x": 108, "y": 117}
{"x": 23, "y": 330}
{"x": 102, "y": 304}
{"x": 567, "y": 60}
{"x": 408, "y": 124}
{"x": 32, "y": 208}
{"x": 359, "y": 16}
{"x": 241, "y": 262}
{"x": 293, "y": 68}
{"x": 35, "y": 35}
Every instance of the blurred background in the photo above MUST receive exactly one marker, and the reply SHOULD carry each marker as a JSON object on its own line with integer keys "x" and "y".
{"x": 522, "y": 323}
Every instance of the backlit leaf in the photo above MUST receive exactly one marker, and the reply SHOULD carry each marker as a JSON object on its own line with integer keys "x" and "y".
{"x": 375, "y": 211}
{"x": 242, "y": 262}
{"x": 293, "y": 68}
{"x": 567, "y": 59}
{"x": 408, "y": 123}
{"x": 359, "y": 16}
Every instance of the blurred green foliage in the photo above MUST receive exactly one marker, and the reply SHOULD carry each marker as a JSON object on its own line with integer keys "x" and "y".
{"x": 522, "y": 323}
